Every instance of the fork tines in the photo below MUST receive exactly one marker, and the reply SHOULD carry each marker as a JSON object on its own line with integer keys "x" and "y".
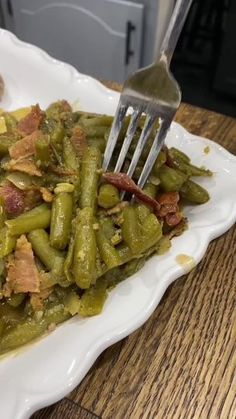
{"x": 152, "y": 115}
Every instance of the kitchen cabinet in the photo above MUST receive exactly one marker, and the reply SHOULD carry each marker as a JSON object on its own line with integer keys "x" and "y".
{"x": 102, "y": 38}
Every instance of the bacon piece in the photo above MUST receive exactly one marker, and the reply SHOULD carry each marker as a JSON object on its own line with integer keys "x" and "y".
{"x": 22, "y": 273}
{"x": 46, "y": 194}
{"x": 30, "y": 122}
{"x": 79, "y": 141}
{"x": 167, "y": 198}
{"x": 25, "y": 166}
{"x": 169, "y": 208}
{"x": 124, "y": 182}
{"x": 25, "y": 147}
{"x": 173, "y": 219}
{"x": 14, "y": 199}
{"x": 37, "y": 300}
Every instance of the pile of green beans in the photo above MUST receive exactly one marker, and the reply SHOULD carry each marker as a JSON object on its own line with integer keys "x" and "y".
{"x": 83, "y": 238}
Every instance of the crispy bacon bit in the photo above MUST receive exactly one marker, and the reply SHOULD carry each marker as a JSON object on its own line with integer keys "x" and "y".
{"x": 172, "y": 219}
{"x": 22, "y": 273}
{"x": 124, "y": 182}
{"x": 79, "y": 141}
{"x": 24, "y": 147}
{"x": 30, "y": 122}
{"x": 14, "y": 199}
{"x": 25, "y": 166}
{"x": 37, "y": 300}
{"x": 168, "y": 198}
{"x": 46, "y": 194}
{"x": 169, "y": 210}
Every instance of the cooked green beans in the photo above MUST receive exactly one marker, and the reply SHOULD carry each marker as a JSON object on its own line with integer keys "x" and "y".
{"x": 194, "y": 193}
{"x": 52, "y": 259}
{"x": 108, "y": 196}
{"x": 38, "y": 217}
{"x": 89, "y": 177}
{"x": 7, "y": 242}
{"x": 61, "y": 217}
{"x": 108, "y": 252}
{"x": 84, "y": 260}
{"x": 70, "y": 158}
{"x": 171, "y": 179}
{"x": 80, "y": 239}
{"x": 42, "y": 147}
{"x": 131, "y": 229}
{"x": 5, "y": 143}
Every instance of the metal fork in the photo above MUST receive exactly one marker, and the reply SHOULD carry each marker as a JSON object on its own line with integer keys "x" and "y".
{"x": 152, "y": 91}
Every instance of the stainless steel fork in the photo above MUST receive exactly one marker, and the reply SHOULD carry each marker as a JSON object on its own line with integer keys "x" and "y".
{"x": 152, "y": 91}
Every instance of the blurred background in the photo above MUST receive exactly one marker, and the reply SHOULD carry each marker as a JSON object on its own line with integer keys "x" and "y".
{"x": 109, "y": 39}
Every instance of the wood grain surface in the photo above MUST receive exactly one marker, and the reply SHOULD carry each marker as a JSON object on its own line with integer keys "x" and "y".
{"x": 181, "y": 364}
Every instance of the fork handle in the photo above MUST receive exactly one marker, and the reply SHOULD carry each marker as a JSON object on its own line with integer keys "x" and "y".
{"x": 173, "y": 31}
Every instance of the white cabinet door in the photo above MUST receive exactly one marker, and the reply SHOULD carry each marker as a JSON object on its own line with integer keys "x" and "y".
{"x": 100, "y": 37}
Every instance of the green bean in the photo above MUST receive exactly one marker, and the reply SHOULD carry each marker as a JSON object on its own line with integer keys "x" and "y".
{"x": 185, "y": 166}
{"x": 93, "y": 299}
{"x": 64, "y": 187}
{"x": 171, "y": 179}
{"x": 130, "y": 229}
{"x": 68, "y": 263}
{"x": 194, "y": 193}
{"x": 84, "y": 260}
{"x": 143, "y": 210}
{"x": 161, "y": 159}
{"x": 70, "y": 158}
{"x": 10, "y": 121}
{"x": 94, "y": 132}
{"x": 151, "y": 232}
{"x": 15, "y": 300}
{"x": 55, "y": 110}
{"x": 42, "y": 150}
{"x": 7, "y": 242}
{"x": 56, "y": 314}
{"x": 163, "y": 245}
{"x": 36, "y": 218}
{"x": 177, "y": 154}
{"x": 72, "y": 303}
{"x": 89, "y": 177}
{"x": 96, "y": 120}
{"x": 61, "y": 218}
{"x": 108, "y": 196}
{"x": 108, "y": 227}
{"x": 124, "y": 252}
{"x": 98, "y": 142}
{"x": 108, "y": 252}
{"x": 6, "y": 141}
{"x": 56, "y": 135}
{"x": 52, "y": 259}
{"x": 22, "y": 333}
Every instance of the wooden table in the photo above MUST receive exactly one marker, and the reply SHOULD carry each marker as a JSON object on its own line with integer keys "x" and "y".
{"x": 182, "y": 362}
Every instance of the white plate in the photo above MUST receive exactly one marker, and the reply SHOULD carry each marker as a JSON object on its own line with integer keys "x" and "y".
{"x": 44, "y": 372}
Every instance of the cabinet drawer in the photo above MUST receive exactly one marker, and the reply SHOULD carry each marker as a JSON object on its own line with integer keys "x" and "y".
{"x": 100, "y": 37}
